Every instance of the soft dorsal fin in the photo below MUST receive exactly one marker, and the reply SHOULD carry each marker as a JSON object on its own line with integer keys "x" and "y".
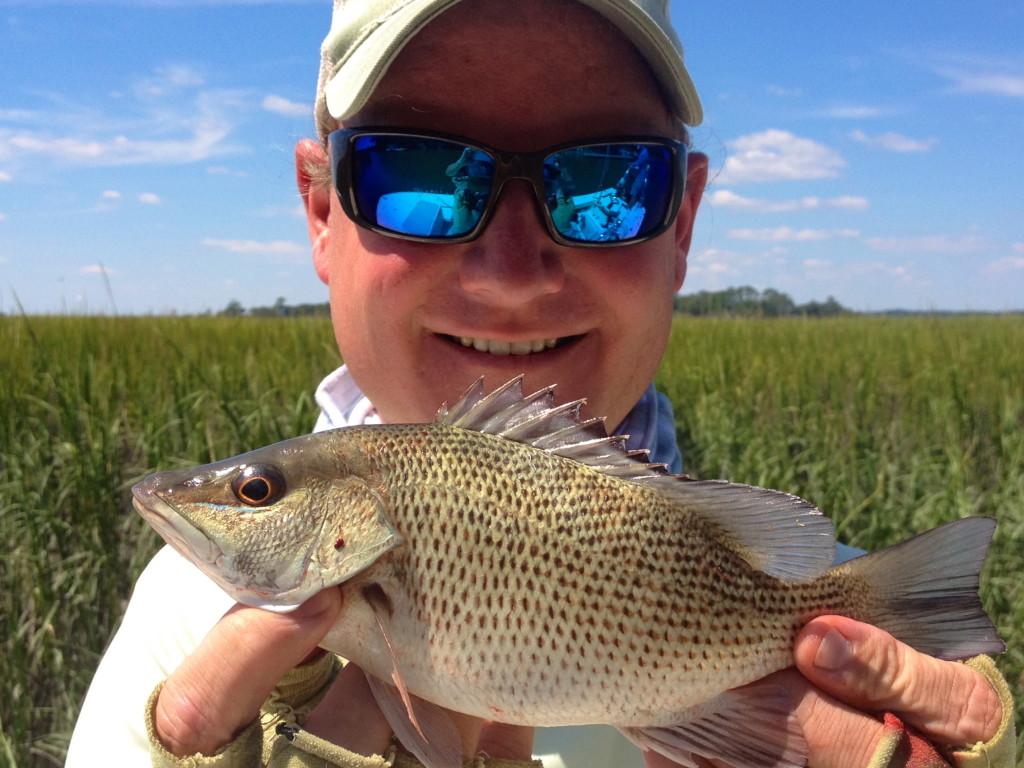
{"x": 783, "y": 535}
{"x": 780, "y": 534}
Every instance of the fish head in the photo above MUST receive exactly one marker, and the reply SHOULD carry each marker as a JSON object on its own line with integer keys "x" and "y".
{"x": 274, "y": 526}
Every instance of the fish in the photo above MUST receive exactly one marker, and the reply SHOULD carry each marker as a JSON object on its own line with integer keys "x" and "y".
{"x": 513, "y": 561}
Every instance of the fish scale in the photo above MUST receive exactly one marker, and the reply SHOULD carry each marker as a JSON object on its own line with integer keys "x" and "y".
{"x": 513, "y": 562}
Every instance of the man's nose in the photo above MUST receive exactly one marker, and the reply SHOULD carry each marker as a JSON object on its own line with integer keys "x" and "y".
{"x": 514, "y": 260}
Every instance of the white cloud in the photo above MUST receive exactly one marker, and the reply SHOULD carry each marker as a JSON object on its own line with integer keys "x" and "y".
{"x": 1003, "y": 266}
{"x": 973, "y": 73}
{"x": 828, "y": 271}
{"x": 120, "y": 150}
{"x": 18, "y": 115}
{"x": 169, "y": 79}
{"x": 1000, "y": 84}
{"x": 111, "y": 194}
{"x": 223, "y": 170}
{"x": 894, "y": 142}
{"x": 255, "y": 246}
{"x": 97, "y": 269}
{"x": 164, "y": 131}
{"x": 148, "y": 198}
{"x": 5, "y": 176}
{"x": 788, "y": 234}
{"x": 725, "y": 198}
{"x": 282, "y": 106}
{"x": 720, "y": 267}
{"x": 3, "y": 217}
{"x": 849, "y": 203}
{"x": 854, "y": 112}
{"x": 776, "y": 155}
{"x": 714, "y": 262}
{"x": 778, "y": 90}
{"x": 928, "y": 244}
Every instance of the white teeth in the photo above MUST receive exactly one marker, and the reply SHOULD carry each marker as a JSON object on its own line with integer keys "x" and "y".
{"x": 495, "y": 347}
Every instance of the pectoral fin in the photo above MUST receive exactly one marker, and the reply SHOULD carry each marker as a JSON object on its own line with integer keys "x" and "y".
{"x": 425, "y": 729}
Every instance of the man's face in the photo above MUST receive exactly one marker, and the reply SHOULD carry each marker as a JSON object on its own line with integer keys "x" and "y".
{"x": 417, "y": 323}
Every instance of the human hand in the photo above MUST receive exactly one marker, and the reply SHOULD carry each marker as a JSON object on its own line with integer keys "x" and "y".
{"x": 854, "y": 668}
{"x": 847, "y": 673}
{"x": 220, "y": 687}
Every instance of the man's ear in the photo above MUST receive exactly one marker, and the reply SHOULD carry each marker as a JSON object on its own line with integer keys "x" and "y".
{"x": 311, "y": 167}
{"x": 696, "y": 179}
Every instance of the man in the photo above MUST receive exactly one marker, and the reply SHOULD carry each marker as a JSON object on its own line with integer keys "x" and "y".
{"x": 418, "y": 320}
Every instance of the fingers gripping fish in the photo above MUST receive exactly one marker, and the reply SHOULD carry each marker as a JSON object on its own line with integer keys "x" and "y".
{"x": 514, "y": 562}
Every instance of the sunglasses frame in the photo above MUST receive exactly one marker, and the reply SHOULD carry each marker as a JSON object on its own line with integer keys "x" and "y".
{"x": 507, "y": 165}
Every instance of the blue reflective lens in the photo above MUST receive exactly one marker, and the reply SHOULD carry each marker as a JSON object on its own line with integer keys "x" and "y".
{"x": 608, "y": 192}
{"x": 421, "y": 186}
{"x": 430, "y": 187}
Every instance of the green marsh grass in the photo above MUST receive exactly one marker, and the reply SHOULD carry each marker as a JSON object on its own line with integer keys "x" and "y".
{"x": 891, "y": 426}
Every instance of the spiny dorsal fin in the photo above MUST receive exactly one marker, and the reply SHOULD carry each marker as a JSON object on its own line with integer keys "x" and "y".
{"x": 780, "y": 534}
{"x": 536, "y": 421}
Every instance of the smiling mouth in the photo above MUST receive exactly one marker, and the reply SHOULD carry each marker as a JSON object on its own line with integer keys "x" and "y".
{"x": 498, "y": 347}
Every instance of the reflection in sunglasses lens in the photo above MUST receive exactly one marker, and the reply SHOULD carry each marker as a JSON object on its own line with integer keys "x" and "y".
{"x": 608, "y": 192}
{"x": 436, "y": 188}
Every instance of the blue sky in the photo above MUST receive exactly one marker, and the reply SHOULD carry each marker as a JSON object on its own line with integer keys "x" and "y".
{"x": 870, "y": 151}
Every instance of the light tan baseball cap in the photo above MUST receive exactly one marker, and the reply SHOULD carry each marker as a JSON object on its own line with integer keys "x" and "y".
{"x": 367, "y": 35}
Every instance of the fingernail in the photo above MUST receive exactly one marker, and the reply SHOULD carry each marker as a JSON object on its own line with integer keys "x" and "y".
{"x": 834, "y": 652}
{"x": 314, "y": 607}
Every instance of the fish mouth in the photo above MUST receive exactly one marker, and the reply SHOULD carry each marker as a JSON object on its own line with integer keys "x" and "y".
{"x": 502, "y": 348}
{"x": 172, "y": 526}
{"x": 192, "y": 544}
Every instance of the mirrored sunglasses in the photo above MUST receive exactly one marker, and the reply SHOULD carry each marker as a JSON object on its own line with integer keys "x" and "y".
{"x": 433, "y": 187}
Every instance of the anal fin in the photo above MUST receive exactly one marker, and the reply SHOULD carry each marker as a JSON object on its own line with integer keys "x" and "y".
{"x": 748, "y": 727}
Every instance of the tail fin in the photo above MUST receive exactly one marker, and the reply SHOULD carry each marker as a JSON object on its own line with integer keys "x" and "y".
{"x": 928, "y": 590}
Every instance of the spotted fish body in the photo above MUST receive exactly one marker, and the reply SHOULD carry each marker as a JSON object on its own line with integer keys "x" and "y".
{"x": 513, "y": 563}
{"x": 509, "y": 573}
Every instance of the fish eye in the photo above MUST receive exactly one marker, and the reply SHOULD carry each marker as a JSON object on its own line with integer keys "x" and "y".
{"x": 258, "y": 485}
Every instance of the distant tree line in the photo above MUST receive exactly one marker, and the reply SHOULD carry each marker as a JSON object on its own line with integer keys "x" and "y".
{"x": 744, "y": 301}
{"x": 749, "y": 302}
{"x": 281, "y": 308}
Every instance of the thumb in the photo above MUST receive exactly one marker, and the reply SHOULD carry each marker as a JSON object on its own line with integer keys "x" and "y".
{"x": 220, "y": 686}
{"x": 869, "y": 669}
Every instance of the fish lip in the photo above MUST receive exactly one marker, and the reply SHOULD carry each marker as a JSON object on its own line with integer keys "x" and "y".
{"x": 161, "y": 514}
{"x": 157, "y": 510}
